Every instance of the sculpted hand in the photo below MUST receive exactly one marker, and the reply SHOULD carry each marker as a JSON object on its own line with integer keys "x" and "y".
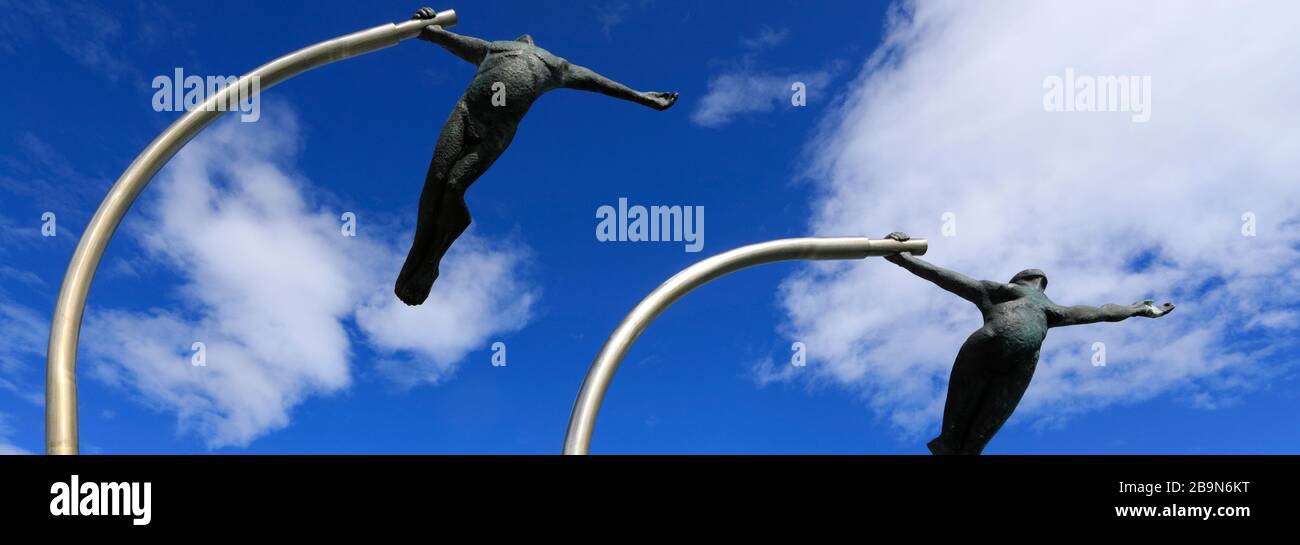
{"x": 427, "y": 13}
{"x": 659, "y": 100}
{"x": 901, "y": 237}
{"x": 1147, "y": 309}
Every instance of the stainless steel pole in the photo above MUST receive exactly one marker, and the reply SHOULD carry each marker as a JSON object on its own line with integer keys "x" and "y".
{"x": 577, "y": 439}
{"x": 61, "y": 365}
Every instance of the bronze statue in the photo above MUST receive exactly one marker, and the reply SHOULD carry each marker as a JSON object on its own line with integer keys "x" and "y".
{"x": 510, "y": 76}
{"x": 996, "y": 362}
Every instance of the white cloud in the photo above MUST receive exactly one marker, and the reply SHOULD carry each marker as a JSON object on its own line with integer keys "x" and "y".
{"x": 740, "y": 87}
{"x": 744, "y": 90}
{"x": 478, "y": 295}
{"x": 268, "y": 284}
{"x": 948, "y": 117}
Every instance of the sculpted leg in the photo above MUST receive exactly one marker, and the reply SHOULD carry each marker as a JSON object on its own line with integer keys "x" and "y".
{"x": 1001, "y": 397}
{"x": 445, "y": 219}
{"x": 451, "y": 143}
{"x": 966, "y": 386}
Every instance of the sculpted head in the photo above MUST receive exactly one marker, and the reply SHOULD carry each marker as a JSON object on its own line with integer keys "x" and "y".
{"x": 1031, "y": 278}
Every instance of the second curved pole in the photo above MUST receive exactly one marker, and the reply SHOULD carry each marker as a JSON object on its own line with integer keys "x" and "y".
{"x": 577, "y": 439}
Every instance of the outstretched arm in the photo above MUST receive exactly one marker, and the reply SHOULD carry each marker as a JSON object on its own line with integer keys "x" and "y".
{"x": 959, "y": 284}
{"x": 466, "y": 47}
{"x": 1084, "y": 314}
{"x": 583, "y": 79}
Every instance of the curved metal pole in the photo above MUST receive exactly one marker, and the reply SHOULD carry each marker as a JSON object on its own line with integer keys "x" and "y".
{"x": 61, "y": 366}
{"x": 577, "y": 439}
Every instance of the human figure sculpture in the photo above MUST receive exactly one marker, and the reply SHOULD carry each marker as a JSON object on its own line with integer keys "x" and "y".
{"x": 996, "y": 362}
{"x": 511, "y": 75}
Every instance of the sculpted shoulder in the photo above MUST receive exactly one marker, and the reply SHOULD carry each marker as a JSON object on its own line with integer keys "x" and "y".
{"x": 502, "y": 46}
{"x": 524, "y": 48}
{"x": 999, "y": 292}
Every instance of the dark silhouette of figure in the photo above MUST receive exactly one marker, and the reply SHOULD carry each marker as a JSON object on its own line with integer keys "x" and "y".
{"x": 996, "y": 362}
{"x": 511, "y": 75}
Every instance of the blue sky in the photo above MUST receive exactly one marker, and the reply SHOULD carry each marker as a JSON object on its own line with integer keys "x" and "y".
{"x": 909, "y": 116}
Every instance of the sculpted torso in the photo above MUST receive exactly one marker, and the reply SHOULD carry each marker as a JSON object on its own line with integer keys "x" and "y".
{"x": 516, "y": 71}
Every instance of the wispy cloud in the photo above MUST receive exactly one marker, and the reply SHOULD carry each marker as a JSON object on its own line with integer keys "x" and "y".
{"x": 86, "y": 32}
{"x": 766, "y": 37}
{"x": 741, "y": 87}
{"x": 269, "y": 285}
{"x": 6, "y": 435}
{"x": 21, "y": 276}
{"x": 611, "y": 15}
{"x": 768, "y": 371}
{"x": 14, "y": 234}
{"x": 33, "y": 172}
{"x": 948, "y": 118}
{"x": 741, "y": 91}
{"x": 23, "y": 336}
